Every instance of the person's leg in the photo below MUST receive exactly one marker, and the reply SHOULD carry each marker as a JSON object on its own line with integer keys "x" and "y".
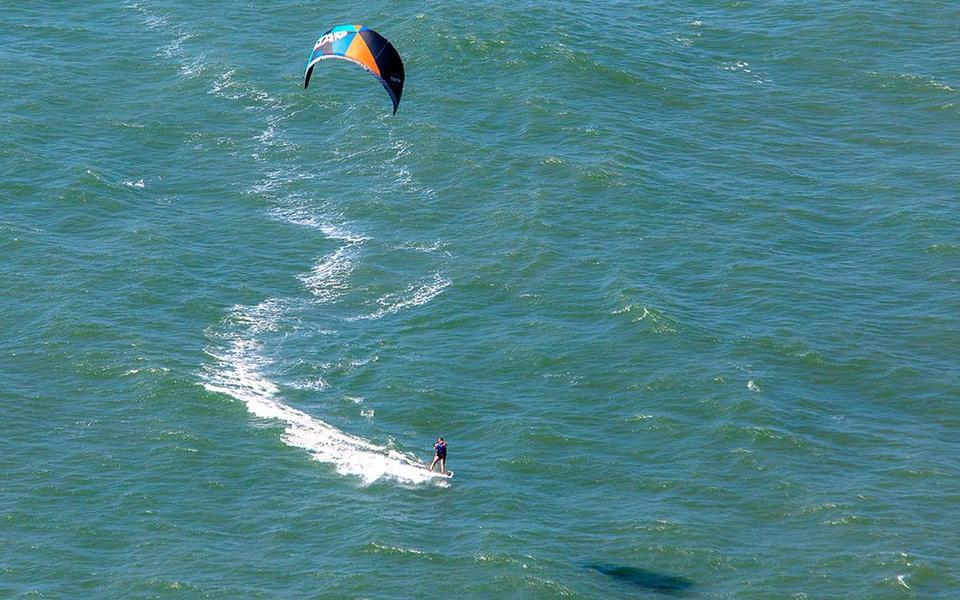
{"x": 443, "y": 466}
{"x": 435, "y": 458}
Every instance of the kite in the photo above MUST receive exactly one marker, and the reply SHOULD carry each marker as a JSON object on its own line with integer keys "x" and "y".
{"x": 365, "y": 47}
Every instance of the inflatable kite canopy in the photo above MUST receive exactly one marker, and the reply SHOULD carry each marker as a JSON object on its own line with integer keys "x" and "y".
{"x": 365, "y": 47}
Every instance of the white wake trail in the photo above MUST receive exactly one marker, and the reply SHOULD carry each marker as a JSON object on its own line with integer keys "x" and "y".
{"x": 238, "y": 372}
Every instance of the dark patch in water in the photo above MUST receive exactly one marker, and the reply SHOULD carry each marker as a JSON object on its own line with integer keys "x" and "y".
{"x": 644, "y": 579}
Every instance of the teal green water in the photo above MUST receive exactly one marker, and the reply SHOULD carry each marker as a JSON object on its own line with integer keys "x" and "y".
{"x": 679, "y": 283}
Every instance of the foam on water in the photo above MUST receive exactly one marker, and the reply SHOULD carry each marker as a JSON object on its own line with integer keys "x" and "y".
{"x": 297, "y": 213}
{"x": 317, "y": 384}
{"x": 414, "y": 295}
{"x": 329, "y": 278}
{"x": 188, "y": 66}
{"x": 423, "y": 247}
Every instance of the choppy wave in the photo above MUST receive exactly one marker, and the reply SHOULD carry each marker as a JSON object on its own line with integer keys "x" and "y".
{"x": 296, "y": 213}
{"x": 415, "y": 295}
{"x": 329, "y": 278}
{"x": 910, "y": 80}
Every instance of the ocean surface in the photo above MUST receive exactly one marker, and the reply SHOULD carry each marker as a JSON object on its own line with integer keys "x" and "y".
{"x": 679, "y": 282}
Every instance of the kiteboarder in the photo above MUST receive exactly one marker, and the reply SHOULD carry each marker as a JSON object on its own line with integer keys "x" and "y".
{"x": 441, "y": 448}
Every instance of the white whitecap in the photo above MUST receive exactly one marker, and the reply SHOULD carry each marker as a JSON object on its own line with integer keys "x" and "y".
{"x": 315, "y": 385}
{"x": 329, "y": 278}
{"x": 411, "y": 297}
